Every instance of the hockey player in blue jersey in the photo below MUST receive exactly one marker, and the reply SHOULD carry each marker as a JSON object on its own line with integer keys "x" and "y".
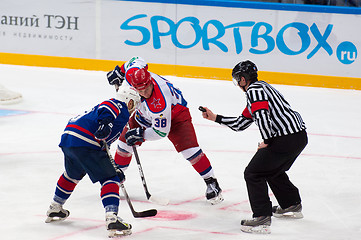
{"x": 84, "y": 153}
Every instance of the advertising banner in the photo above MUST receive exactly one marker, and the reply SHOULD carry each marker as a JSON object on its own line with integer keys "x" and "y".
{"x": 48, "y": 27}
{"x": 212, "y": 34}
{"x": 208, "y": 36}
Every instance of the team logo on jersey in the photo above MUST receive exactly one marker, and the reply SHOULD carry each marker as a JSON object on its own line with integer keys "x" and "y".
{"x": 156, "y": 102}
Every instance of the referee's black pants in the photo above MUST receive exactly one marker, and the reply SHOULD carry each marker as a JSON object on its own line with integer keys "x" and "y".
{"x": 269, "y": 165}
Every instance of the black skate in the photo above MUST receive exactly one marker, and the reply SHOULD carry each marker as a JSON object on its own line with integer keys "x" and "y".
{"x": 261, "y": 225}
{"x": 213, "y": 192}
{"x": 116, "y": 226}
{"x": 56, "y": 213}
{"x": 294, "y": 211}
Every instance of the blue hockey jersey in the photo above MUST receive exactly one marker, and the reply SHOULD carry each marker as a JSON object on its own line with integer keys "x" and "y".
{"x": 80, "y": 130}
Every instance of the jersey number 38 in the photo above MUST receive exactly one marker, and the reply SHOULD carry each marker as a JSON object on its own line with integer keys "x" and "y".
{"x": 160, "y": 122}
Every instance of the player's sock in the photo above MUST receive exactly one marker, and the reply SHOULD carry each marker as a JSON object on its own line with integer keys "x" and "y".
{"x": 122, "y": 158}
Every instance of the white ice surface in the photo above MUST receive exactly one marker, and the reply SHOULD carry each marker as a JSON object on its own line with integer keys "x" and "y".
{"x": 328, "y": 173}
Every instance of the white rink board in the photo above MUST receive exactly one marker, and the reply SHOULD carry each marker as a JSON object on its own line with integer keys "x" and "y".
{"x": 192, "y": 35}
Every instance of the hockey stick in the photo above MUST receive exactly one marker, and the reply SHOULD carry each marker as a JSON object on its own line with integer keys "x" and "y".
{"x": 160, "y": 201}
{"x": 147, "y": 213}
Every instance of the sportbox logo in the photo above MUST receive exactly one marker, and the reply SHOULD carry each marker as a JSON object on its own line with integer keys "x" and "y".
{"x": 262, "y": 37}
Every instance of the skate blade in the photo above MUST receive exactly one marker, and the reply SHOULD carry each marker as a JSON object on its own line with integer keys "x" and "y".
{"x": 216, "y": 200}
{"x": 54, "y": 219}
{"x": 116, "y": 233}
{"x": 294, "y": 215}
{"x": 261, "y": 229}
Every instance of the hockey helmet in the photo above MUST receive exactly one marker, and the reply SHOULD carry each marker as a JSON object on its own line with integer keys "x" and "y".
{"x": 140, "y": 62}
{"x": 246, "y": 69}
{"x": 125, "y": 94}
{"x": 140, "y": 78}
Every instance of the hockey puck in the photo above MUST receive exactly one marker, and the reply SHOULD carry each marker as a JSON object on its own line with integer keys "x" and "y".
{"x": 202, "y": 109}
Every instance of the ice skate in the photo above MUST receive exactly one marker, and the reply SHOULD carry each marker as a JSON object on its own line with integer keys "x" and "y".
{"x": 213, "y": 193}
{"x": 261, "y": 225}
{"x": 294, "y": 211}
{"x": 116, "y": 226}
{"x": 56, "y": 213}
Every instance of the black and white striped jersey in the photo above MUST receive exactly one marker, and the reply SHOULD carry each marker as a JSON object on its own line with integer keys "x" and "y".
{"x": 269, "y": 110}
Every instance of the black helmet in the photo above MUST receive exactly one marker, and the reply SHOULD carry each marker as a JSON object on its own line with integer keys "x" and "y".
{"x": 246, "y": 69}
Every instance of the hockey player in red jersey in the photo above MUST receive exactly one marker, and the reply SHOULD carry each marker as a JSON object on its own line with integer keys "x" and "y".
{"x": 84, "y": 153}
{"x": 163, "y": 112}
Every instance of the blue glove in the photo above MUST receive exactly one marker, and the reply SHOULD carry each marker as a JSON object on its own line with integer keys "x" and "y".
{"x": 120, "y": 174}
{"x": 116, "y": 77}
{"x": 134, "y": 136}
{"x": 104, "y": 129}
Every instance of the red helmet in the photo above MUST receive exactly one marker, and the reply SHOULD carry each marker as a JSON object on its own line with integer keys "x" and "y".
{"x": 140, "y": 78}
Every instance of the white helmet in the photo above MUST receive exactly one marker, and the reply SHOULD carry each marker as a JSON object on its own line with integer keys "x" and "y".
{"x": 127, "y": 93}
{"x": 140, "y": 62}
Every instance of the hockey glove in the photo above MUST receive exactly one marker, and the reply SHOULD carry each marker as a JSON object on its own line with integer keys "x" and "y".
{"x": 120, "y": 174}
{"x": 104, "y": 129}
{"x": 134, "y": 136}
{"x": 116, "y": 77}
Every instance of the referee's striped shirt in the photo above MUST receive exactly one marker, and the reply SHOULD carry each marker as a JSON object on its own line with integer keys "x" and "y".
{"x": 269, "y": 110}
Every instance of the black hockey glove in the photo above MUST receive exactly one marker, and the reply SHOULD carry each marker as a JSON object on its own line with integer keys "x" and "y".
{"x": 104, "y": 129}
{"x": 116, "y": 77}
{"x": 134, "y": 136}
{"x": 120, "y": 174}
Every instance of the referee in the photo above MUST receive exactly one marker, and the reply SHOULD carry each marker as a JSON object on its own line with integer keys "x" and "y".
{"x": 284, "y": 137}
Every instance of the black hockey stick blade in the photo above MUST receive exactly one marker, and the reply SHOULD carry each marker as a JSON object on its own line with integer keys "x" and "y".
{"x": 147, "y": 213}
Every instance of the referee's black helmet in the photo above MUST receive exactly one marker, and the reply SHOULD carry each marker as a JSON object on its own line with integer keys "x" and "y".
{"x": 246, "y": 69}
